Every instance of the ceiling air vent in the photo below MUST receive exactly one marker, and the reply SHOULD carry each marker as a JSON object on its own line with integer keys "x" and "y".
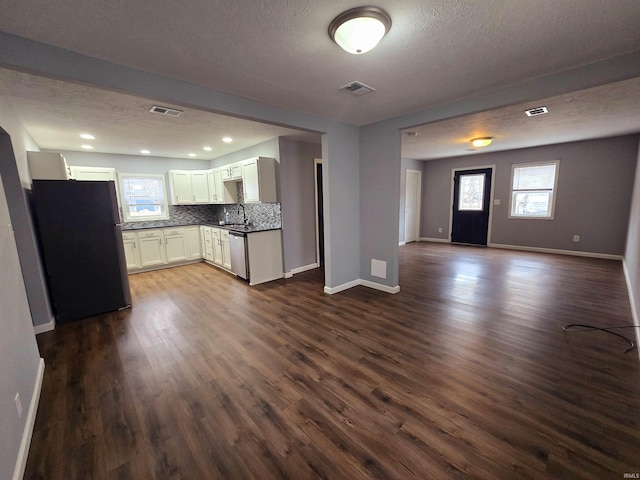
{"x": 171, "y": 112}
{"x": 356, "y": 88}
{"x": 532, "y": 112}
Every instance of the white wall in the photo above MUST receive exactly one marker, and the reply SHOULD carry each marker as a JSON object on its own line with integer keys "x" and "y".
{"x": 406, "y": 164}
{"x": 632, "y": 251}
{"x": 19, "y": 357}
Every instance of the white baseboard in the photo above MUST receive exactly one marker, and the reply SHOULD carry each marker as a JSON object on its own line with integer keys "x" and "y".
{"x": 364, "y": 283}
{"x": 23, "y": 453}
{"x": 341, "y": 288}
{"x": 304, "y": 268}
{"x": 401, "y": 243}
{"x": 45, "y": 327}
{"x": 438, "y": 240}
{"x": 556, "y": 251}
{"x": 634, "y": 312}
{"x": 379, "y": 286}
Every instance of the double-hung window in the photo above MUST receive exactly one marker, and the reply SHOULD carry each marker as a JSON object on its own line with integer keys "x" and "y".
{"x": 143, "y": 197}
{"x": 533, "y": 190}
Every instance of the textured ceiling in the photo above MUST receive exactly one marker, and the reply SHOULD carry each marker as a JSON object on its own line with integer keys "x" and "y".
{"x": 55, "y": 113}
{"x": 604, "y": 111}
{"x": 279, "y": 52}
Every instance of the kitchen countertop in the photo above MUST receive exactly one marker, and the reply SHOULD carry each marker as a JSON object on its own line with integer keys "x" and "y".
{"x": 231, "y": 228}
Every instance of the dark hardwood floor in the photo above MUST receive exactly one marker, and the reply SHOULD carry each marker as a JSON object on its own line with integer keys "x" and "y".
{"x": 466, "y": 373}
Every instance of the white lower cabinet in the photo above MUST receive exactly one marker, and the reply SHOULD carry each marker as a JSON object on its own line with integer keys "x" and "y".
{"x": 154, "y": 248}
{"x": 216, "y": 247}
{"x": 131, "y": 249}
{"x": 152, "y": 251}
{"x": 194, "y": 244}
{"x": 226, "y": 252}
{"x": 175, "y": 245}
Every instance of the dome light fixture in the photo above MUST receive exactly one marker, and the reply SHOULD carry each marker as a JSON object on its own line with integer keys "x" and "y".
{"x": 481, "y": 142}
{"x": 360, "y": 29}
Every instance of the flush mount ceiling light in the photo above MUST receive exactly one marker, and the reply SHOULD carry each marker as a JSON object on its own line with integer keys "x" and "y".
{"x": 87, "y": 136}
{"x": 87, "y": 147}
{"x": 481, "y": 141}
{"x": 227, "y": 139}
{"x": 360, "y": 29}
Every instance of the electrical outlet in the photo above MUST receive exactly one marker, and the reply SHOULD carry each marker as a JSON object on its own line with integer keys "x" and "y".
{"x": 440, "y": 230}
{"x": 18, "y": 405}
{"x": 576, "y": 238}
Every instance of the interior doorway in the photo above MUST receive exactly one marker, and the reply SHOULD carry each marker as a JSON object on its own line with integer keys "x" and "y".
{"x": 471, "y": 207}
{"x": 413, "y": 195}
{"x": 317, "y": 170}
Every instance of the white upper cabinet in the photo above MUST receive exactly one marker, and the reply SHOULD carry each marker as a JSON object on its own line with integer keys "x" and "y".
{"x": 200, "y": 186}
{"x": 93, "y": 173}
{"x": 216, "y": 187}
{"x": 180, "y": 186}
{"x": 48, "y": 166}
{"x": 232, "y": 172}
{"x": 259, "y": 180}
{"x": 189, "y": 187}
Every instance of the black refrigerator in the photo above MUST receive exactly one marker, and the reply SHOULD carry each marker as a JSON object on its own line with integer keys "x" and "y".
{"x": 80, "y": 234}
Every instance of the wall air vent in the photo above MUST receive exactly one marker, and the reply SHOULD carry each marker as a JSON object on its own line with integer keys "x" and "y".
{"x": 171, "y": 112}
{"x": 532, "y": 112}
{"x": 356, "y": 88}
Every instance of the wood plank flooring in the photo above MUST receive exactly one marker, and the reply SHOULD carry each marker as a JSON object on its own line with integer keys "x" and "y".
{"x": 466, "y": 373}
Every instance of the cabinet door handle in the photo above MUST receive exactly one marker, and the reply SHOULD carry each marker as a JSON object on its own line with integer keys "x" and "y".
{"x": 177, "y": 199}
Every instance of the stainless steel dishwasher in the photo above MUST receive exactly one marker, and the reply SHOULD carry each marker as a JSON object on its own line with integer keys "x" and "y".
{"x": 237, "y": 246}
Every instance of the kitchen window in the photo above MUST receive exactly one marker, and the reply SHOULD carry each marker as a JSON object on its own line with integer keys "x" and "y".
{"x": 143, "y": 197}
{"x": 533, "y": 190}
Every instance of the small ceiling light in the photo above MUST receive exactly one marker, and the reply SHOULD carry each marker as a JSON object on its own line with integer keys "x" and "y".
{"x": 87, "y": 147}
{"x": 192, "y": 154}
{"x": 227, "y": 139}
{"x": 360, "y": 29}
{"x": 206, "y": 149}
{"x": 481, "y": 142}
{"x": 145, "y": 152}
{"x": 87, "y": 136}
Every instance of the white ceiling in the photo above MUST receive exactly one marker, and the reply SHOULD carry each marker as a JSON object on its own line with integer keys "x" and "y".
{"x": 279, "y": 53}
{"x": 604, "y": 111}
{"x": 55, "y": 113}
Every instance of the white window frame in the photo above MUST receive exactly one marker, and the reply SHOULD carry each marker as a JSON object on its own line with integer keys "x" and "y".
{"x": 125, "y": 206}
{"x": 553, "y": 191}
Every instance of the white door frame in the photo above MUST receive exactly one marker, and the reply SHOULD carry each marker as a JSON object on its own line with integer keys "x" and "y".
{"x": 316, "y": 162}
{"x": 493, "y": 186}
{"x": 419, "y": 193}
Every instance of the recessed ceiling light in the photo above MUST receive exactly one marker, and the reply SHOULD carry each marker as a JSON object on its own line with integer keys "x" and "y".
{"x": 227, "y": 139}
{"x": 145, "y": 152}
{"x": 192, "y": 154}
{"x": 87, "y": 136}
{"x": 206, "y": 149}
{"x": 87, "y": 147}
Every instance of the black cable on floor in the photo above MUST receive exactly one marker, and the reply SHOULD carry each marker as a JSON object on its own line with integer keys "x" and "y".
{"x": 589, "y": 328}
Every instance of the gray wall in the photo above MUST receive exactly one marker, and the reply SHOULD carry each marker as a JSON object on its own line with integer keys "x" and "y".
{"x": 632, "y": 251}
{"x": 269, "y": 148}
{"x": 18, "y": 350}
{"x": 588, "y": 174}
{"x": 133, "y": 163}
{"x": 406, "y": 164}
{"x": 16, "y": 181}
{"x": 298, "y": 202}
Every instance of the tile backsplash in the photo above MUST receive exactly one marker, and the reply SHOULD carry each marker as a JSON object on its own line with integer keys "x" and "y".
{"x": 264, "y": 215}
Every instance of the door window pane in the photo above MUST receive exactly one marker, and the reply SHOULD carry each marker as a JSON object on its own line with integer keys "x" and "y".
{"x": 471, "y": 193}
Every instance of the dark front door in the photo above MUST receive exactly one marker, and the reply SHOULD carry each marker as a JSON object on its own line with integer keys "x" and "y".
{"x": 471, "y": 197}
